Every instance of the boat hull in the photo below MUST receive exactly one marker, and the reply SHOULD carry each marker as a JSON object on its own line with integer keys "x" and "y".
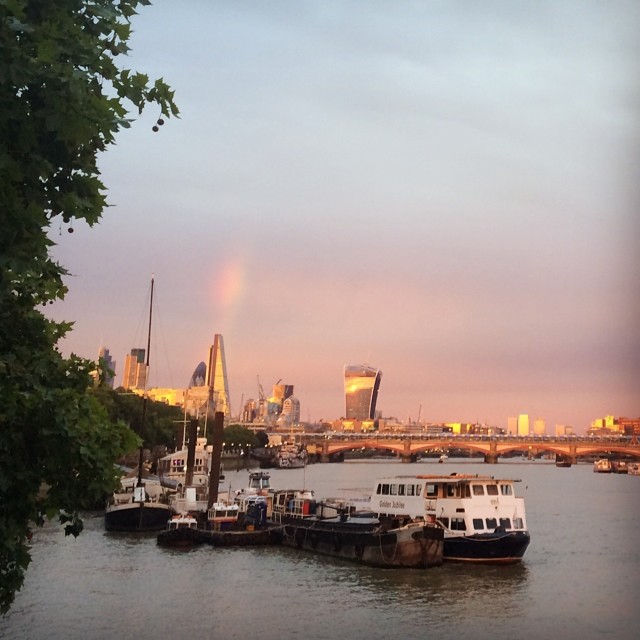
{"x": 132, "y": 517}
{"x": 229, "y": 538}
{"x": 490, "y": 548}
{"x": 412, "y": 546}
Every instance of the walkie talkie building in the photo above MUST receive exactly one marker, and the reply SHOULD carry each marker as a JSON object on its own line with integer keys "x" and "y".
{"x": 361, "y": 385}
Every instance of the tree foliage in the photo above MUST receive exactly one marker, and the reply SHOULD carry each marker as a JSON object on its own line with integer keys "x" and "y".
{"x": 162, "y": 421}
{"x": 238, "y": 437}
{"x": 63, "y": 98}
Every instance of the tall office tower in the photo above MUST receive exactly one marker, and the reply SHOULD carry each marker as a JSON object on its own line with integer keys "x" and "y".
{"x": 523, "y": 424}
{"x": 199, "y": 376}
{"x": 135, "y": 371}
{"x": 217, "y": 376}
{"x": 108, "y": 370}
{"x": 249, "y": 411}
{"x": 291, "y": 410}
{"x": 539, "y": 427}
{"x": 361, "y": 385}
{"x": 512, "y": 425}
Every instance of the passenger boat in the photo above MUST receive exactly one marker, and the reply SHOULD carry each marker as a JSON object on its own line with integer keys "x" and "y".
{"x": 330, "y": 530}
{"x": 633, "y": 468}
{"x": 603, "y": 465}
{"x": 483, "y": 520}
{"x": 291, "y": 455}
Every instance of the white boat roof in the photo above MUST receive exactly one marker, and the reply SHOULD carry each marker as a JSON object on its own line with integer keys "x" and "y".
{"x": 454, "y": 478}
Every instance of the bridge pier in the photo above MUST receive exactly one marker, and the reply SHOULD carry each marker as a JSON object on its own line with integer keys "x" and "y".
{"x": 411, "y": 457}
{"x": 491, "y": 458}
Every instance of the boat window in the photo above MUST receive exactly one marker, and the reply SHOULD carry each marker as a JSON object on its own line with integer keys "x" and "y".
{"x": 431, "y": 490}
{"x": 401, "y": 489}
{"x": 394, "y": 490}
{"x": 445, "y": 522}
{"x": 385, "y": 489}
{"x": 478, "y": 489}
{"x": 458, "y": 524}
{"x": 492, "y": 490}
{"x": 411, "y": 489}
{"x": 418, "y": 489}
{"x": 518, "y": 523}
{"x": 478, "y": 524}
{"x": 379, "y": 489}
{"x": 505, "y": 522}
{"x": 506, "y": 489}
{"x": 451, "y": 491}
{"x": 492, "y": 523}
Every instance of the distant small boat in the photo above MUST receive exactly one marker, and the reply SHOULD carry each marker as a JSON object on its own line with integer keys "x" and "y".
{"x": 619, "y": 466}
{"x": 603, "y": 465}
{"x": 291, "y": 456}
{"x": 443, "y": 458}
{"x": 563, "y": 461}
{"x": 633, "y": 468}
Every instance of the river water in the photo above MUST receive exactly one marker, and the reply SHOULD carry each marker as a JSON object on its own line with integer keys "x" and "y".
{"x": 580, "y": 577}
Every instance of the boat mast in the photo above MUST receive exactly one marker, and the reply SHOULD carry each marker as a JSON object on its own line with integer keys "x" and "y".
{"x": 144, "y": 396}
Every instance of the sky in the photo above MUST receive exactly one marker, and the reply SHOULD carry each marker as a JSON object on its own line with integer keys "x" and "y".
{"x": 444, "y": 190}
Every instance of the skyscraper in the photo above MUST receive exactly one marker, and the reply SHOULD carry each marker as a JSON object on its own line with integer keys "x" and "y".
{"x": 217, "y": 376}
{"x": 361, "y": 385}
{"x": 104, "y": 374}
{"x": 135, "y": 371}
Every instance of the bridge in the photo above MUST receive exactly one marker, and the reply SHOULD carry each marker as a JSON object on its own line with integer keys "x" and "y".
{"x": 409, "y": 447}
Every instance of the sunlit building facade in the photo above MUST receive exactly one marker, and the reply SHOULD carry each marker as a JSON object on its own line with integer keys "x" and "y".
{"x": 539, "y": 427}
{"x": 361, "y": 386}
{"x": 217, "y": 376}
{"x": 135, "y": 370}
{"x": 208, "y": 390}
{"x": 523, "y": 424}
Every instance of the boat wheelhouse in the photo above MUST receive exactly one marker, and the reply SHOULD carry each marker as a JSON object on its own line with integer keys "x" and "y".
{"x": 483, "y": 519}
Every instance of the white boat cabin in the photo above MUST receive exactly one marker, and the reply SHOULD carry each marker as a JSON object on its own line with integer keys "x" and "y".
{"x": 182, "y": 521}
{"x": 222, "y": 516}
{"x": 462, "y": 504}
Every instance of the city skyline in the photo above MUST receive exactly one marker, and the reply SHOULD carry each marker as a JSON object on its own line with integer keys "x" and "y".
{"x": 447, "y": 191}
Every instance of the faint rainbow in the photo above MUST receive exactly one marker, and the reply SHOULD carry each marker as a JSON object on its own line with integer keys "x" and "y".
{"x": 229, "y": 290}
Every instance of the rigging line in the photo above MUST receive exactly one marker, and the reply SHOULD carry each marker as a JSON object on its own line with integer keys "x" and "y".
{"x": 160, "y": 332}
{"x": 140, "y": 334}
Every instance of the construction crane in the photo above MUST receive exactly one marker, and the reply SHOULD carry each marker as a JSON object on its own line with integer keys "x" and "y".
{"x": 261, "y": 396}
